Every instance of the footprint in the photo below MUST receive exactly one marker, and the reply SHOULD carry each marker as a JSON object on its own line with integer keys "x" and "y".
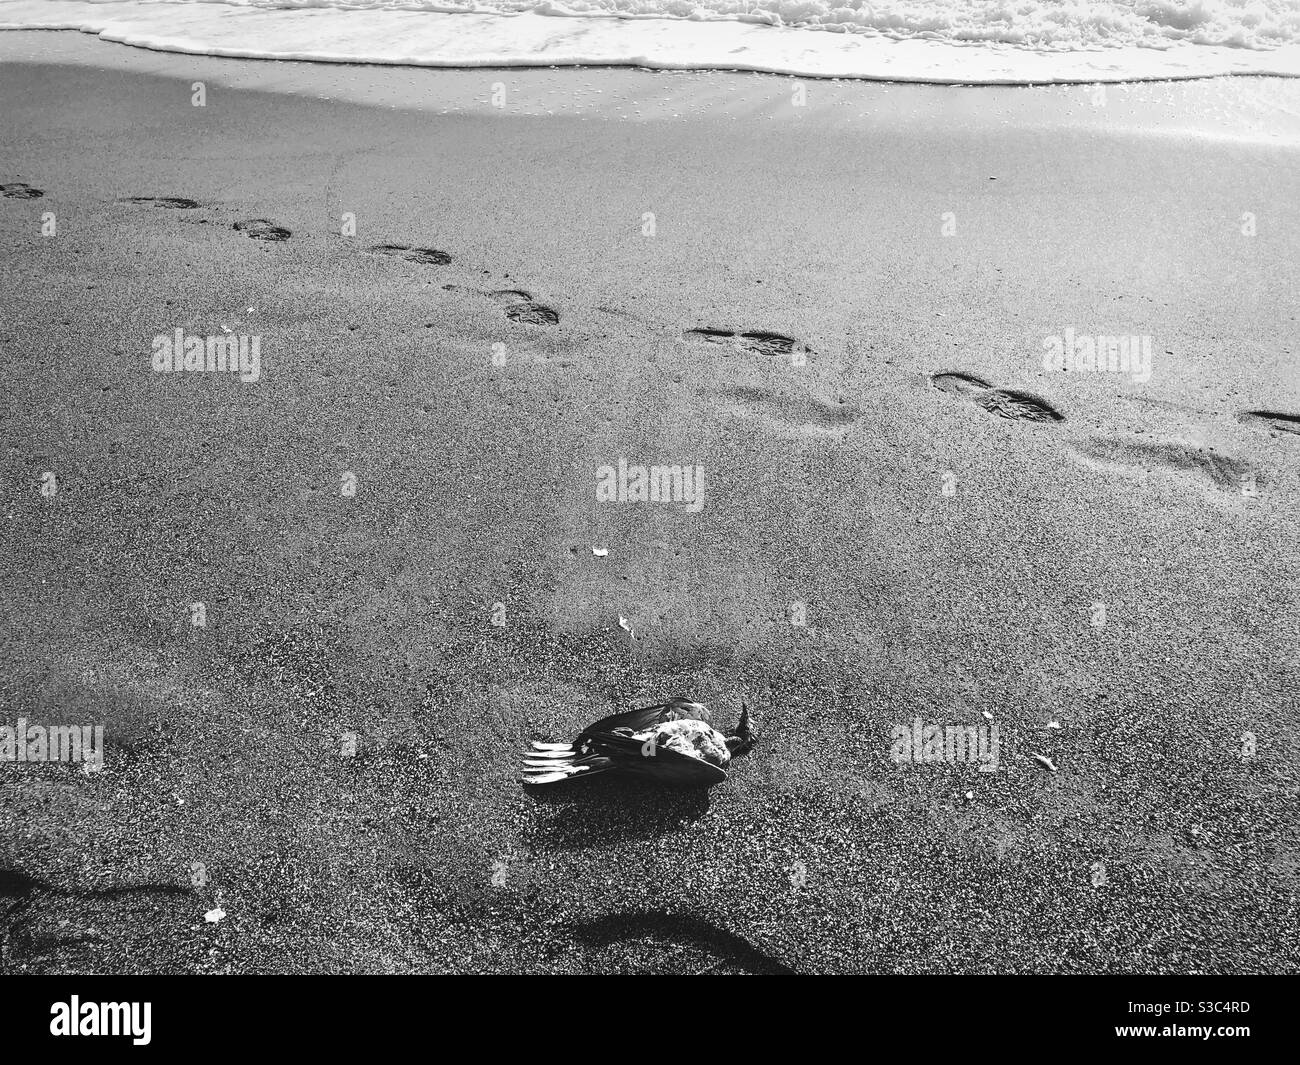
{"x": 261, "y": 229}
{"x": 1286, "y": 423}
{"x": 1005, "y": 403}
{"x": 1018, "y": 406}
{"x": 532, "y": 314}
{"x": 1220, "y": 471}
{"x": 18, "y": 190}
{"x": 759, "y": 342}
{"x": 519, "y": 305}
{"x": 803, "y": 415}
{"x": 414, "y": 255}
{"x": 176, "y": 203}
{"x": 762, "y": 343}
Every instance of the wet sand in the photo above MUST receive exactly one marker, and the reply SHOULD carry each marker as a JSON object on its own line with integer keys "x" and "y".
{"x": 473, "y": 428}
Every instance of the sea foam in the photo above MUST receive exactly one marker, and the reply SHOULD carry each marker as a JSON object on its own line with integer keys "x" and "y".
{"x": 947, "y": 41}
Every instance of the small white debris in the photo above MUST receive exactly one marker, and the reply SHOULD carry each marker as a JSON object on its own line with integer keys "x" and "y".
{"x": 626, "y": 626}
{"x": 987, "y": 715}
{"x": 970, "y": 795}
{"x": 1043, "y": 760}
{"x": 1053, "y": 724}
{"x": 213, "y": 916}
{"x": 600, "y": 552}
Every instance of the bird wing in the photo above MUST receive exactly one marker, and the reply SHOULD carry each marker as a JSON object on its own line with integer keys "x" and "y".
{"x": 665, "y": 764}
{"x": 642, "y": 719}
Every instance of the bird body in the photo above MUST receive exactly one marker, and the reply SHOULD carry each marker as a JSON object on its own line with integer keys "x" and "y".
{"x": 668, "y": 742}
{"x": 695, "y": 739}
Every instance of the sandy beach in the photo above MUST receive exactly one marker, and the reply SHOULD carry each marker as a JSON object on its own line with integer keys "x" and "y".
{"x": 839, "y": 309}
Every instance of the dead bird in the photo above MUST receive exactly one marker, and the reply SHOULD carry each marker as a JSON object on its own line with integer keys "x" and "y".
{"x": 670, "y": 742}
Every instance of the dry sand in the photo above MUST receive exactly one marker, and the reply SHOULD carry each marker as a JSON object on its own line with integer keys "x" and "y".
{"x": 1155, "y": 846}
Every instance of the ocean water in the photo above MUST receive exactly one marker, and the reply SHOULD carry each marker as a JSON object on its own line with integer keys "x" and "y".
{"x": 966, "y": 41}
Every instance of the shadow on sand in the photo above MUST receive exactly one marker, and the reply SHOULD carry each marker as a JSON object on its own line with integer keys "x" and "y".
{"x": 585, "y": 813}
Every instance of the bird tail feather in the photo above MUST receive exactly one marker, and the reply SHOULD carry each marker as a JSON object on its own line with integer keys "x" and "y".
{"x": 550, "y": 763}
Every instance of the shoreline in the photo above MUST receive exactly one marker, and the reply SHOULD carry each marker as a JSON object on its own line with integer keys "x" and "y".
{"x": 1262, "y": 111}
{"x": 490, "y": 41}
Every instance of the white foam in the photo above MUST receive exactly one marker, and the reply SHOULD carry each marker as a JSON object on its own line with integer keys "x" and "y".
{"x": 944, "y": 41}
